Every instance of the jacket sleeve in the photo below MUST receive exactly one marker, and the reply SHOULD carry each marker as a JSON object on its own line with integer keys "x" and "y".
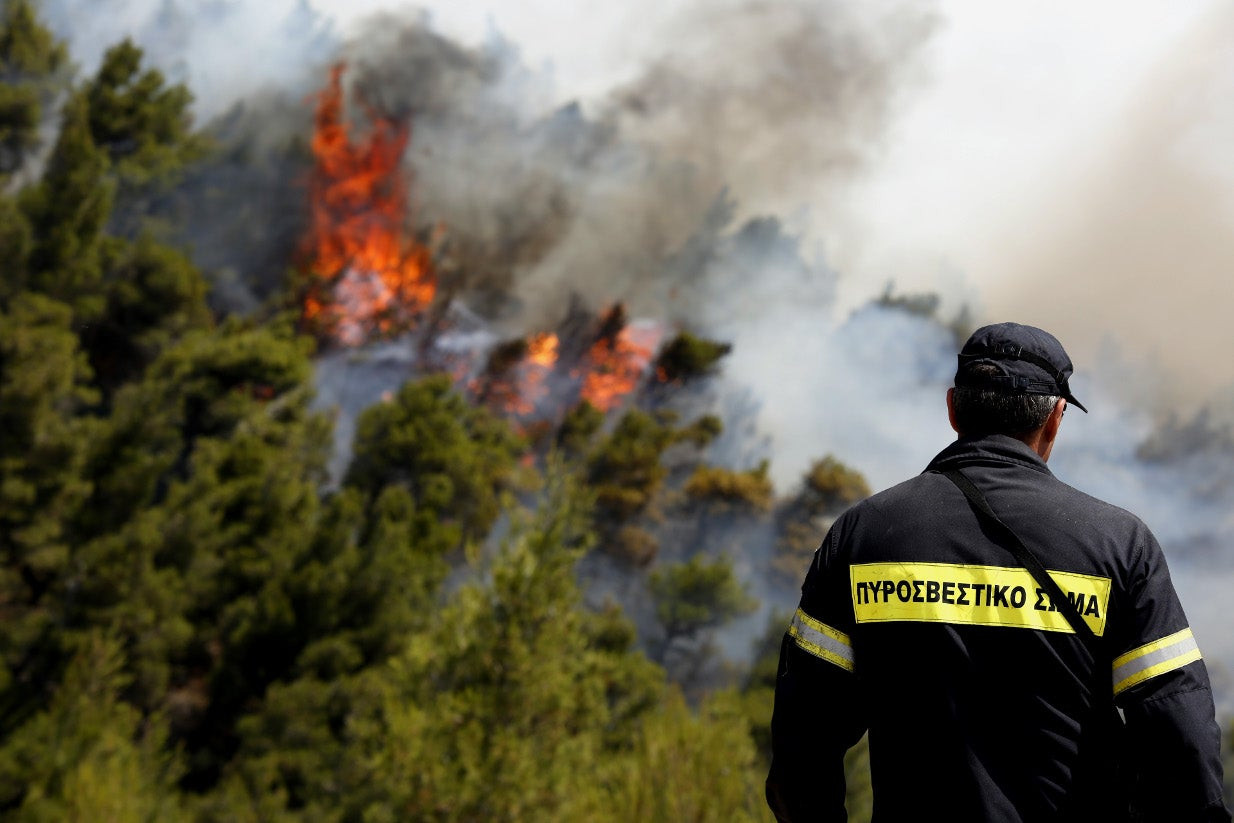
{"x": 817, "y": 715}
{"x": 1160, "y": 682}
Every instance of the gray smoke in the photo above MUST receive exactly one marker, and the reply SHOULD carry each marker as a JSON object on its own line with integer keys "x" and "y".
{"x": 1130, "y": 238}
{"x": 771, "y": 105}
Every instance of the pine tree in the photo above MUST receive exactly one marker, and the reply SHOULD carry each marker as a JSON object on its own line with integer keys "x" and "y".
{"x": 68, "y": 210}
{"x": 122, "y": 130}
{"x": 33, "y": 69}
{"x": 142, "y": 123}
{"x": 720, "y": 498}
{"x": 154, "y": 296}
{"x": 697, "y": 595}
{"x": 453, "y": 458}
{"x": 90, "y": 756}
{"x": 42, "y": 452}
{"x": 16, "y": 242}
{"x": 827, "y": 489}
{"x": 687, "y": 357}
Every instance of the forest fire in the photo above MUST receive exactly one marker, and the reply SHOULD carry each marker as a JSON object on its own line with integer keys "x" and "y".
{"x": 616, "y": 364}
{"x": 541, "y": 358}
{"x": 516, "y": 379}
{"x": 371, "y": 277}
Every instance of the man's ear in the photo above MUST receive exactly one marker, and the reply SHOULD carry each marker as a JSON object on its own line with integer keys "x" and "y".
{"x": 1050, "y": 430}
{"x": 951, "y": 410}
{"x": 1055, "y": 419}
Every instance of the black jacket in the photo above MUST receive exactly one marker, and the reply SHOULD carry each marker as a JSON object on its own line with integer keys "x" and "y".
{"x": 981, "y": 702}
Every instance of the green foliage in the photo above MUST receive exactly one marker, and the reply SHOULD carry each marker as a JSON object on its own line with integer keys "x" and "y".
{"x": 625, "y": 468}
{"x": 19, "y": 125}
{"x": 480, "y": 716}
{"x": 692, "y": 766}
{"x": 16, "y": 243}
{"x": 205, "y": 504}
{"x": 687, "y": 357}
{"x": 454, "y": 459}
{"x": 370, "y": 582}
{"x": 831, "y": 486}
{"x": 90, "y": 756}
{"x": 927, "y": 305}
{"x": 141, "y": 123}
{"x": 153, "y": 297}
{"x": 758, "y": 690}
{"x": 702, "y": 431}
{"x": 124, "y": 129}
{"x": 828, "y": 488}
{"x": 511, "y": 665}
{"x": 577, "y": 429}
{"x": 211, "y": 381}
{"x": 720, "y": 489}
{"x": 42, "y": 377}
{"x": 42, "y": 453}
{"x": 32, "y": 69}
{"x": 634, "y": 545}
{"x": 698, "y": 594}
{"x": 67, "y": 211}
{"x": 198, "y": 625}
{"x": 82, "y": 536}
{"x": 27, "y": 48}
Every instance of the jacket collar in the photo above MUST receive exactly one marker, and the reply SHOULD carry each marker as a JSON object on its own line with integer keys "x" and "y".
{"x": 987, "y": 450}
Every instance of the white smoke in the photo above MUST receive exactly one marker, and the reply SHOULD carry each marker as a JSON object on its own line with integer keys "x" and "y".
{"x": 1130, "y": 234}
{"x": 224, "y": 50}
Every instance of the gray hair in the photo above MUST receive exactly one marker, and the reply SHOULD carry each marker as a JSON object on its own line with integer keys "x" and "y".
{"x": 991, "y": 411}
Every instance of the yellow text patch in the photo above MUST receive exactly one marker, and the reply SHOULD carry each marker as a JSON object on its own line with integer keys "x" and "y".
{"x": 976, "y": 595}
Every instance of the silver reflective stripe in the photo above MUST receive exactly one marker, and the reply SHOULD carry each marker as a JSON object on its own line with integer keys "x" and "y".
{"x": 1151, "y": 659}
{"x": 821, "y": 640}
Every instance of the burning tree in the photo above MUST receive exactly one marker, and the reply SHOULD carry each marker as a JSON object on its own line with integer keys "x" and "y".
{"x": 370, "y": 276}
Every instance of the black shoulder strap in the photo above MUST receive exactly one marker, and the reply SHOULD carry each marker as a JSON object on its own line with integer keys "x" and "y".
{"x": 1027, "y": 559}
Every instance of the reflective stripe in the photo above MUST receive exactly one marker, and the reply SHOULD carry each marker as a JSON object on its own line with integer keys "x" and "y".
{"x": 1152, "y": 659}
{"x": 821, "y": 640}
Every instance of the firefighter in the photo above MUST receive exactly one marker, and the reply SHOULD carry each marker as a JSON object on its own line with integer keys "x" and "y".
{"x": 984, "y": 699}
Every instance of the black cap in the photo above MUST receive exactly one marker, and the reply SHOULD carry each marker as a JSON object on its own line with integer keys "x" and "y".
{"x": 1029, "y": 361}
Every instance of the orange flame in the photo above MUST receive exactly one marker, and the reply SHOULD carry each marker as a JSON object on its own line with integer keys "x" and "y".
{"x": 541, "y": 358}
{"x": 542, "y": 350}
{"x": 615, "y": 365}
{"x": 519, "y": 392}
{"x": 372, "y": 277}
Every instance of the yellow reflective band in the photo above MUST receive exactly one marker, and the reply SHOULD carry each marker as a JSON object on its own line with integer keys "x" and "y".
{"x": 973, "y": 595}
{"x": 821, "y": 640}
{"x": 1151, "y": 659}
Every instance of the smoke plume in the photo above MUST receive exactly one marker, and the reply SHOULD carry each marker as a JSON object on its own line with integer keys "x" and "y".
{"x": 1130, "y": 239}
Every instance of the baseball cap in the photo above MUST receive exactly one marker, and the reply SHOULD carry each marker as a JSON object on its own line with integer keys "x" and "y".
{"x": 1028, "y": 360}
